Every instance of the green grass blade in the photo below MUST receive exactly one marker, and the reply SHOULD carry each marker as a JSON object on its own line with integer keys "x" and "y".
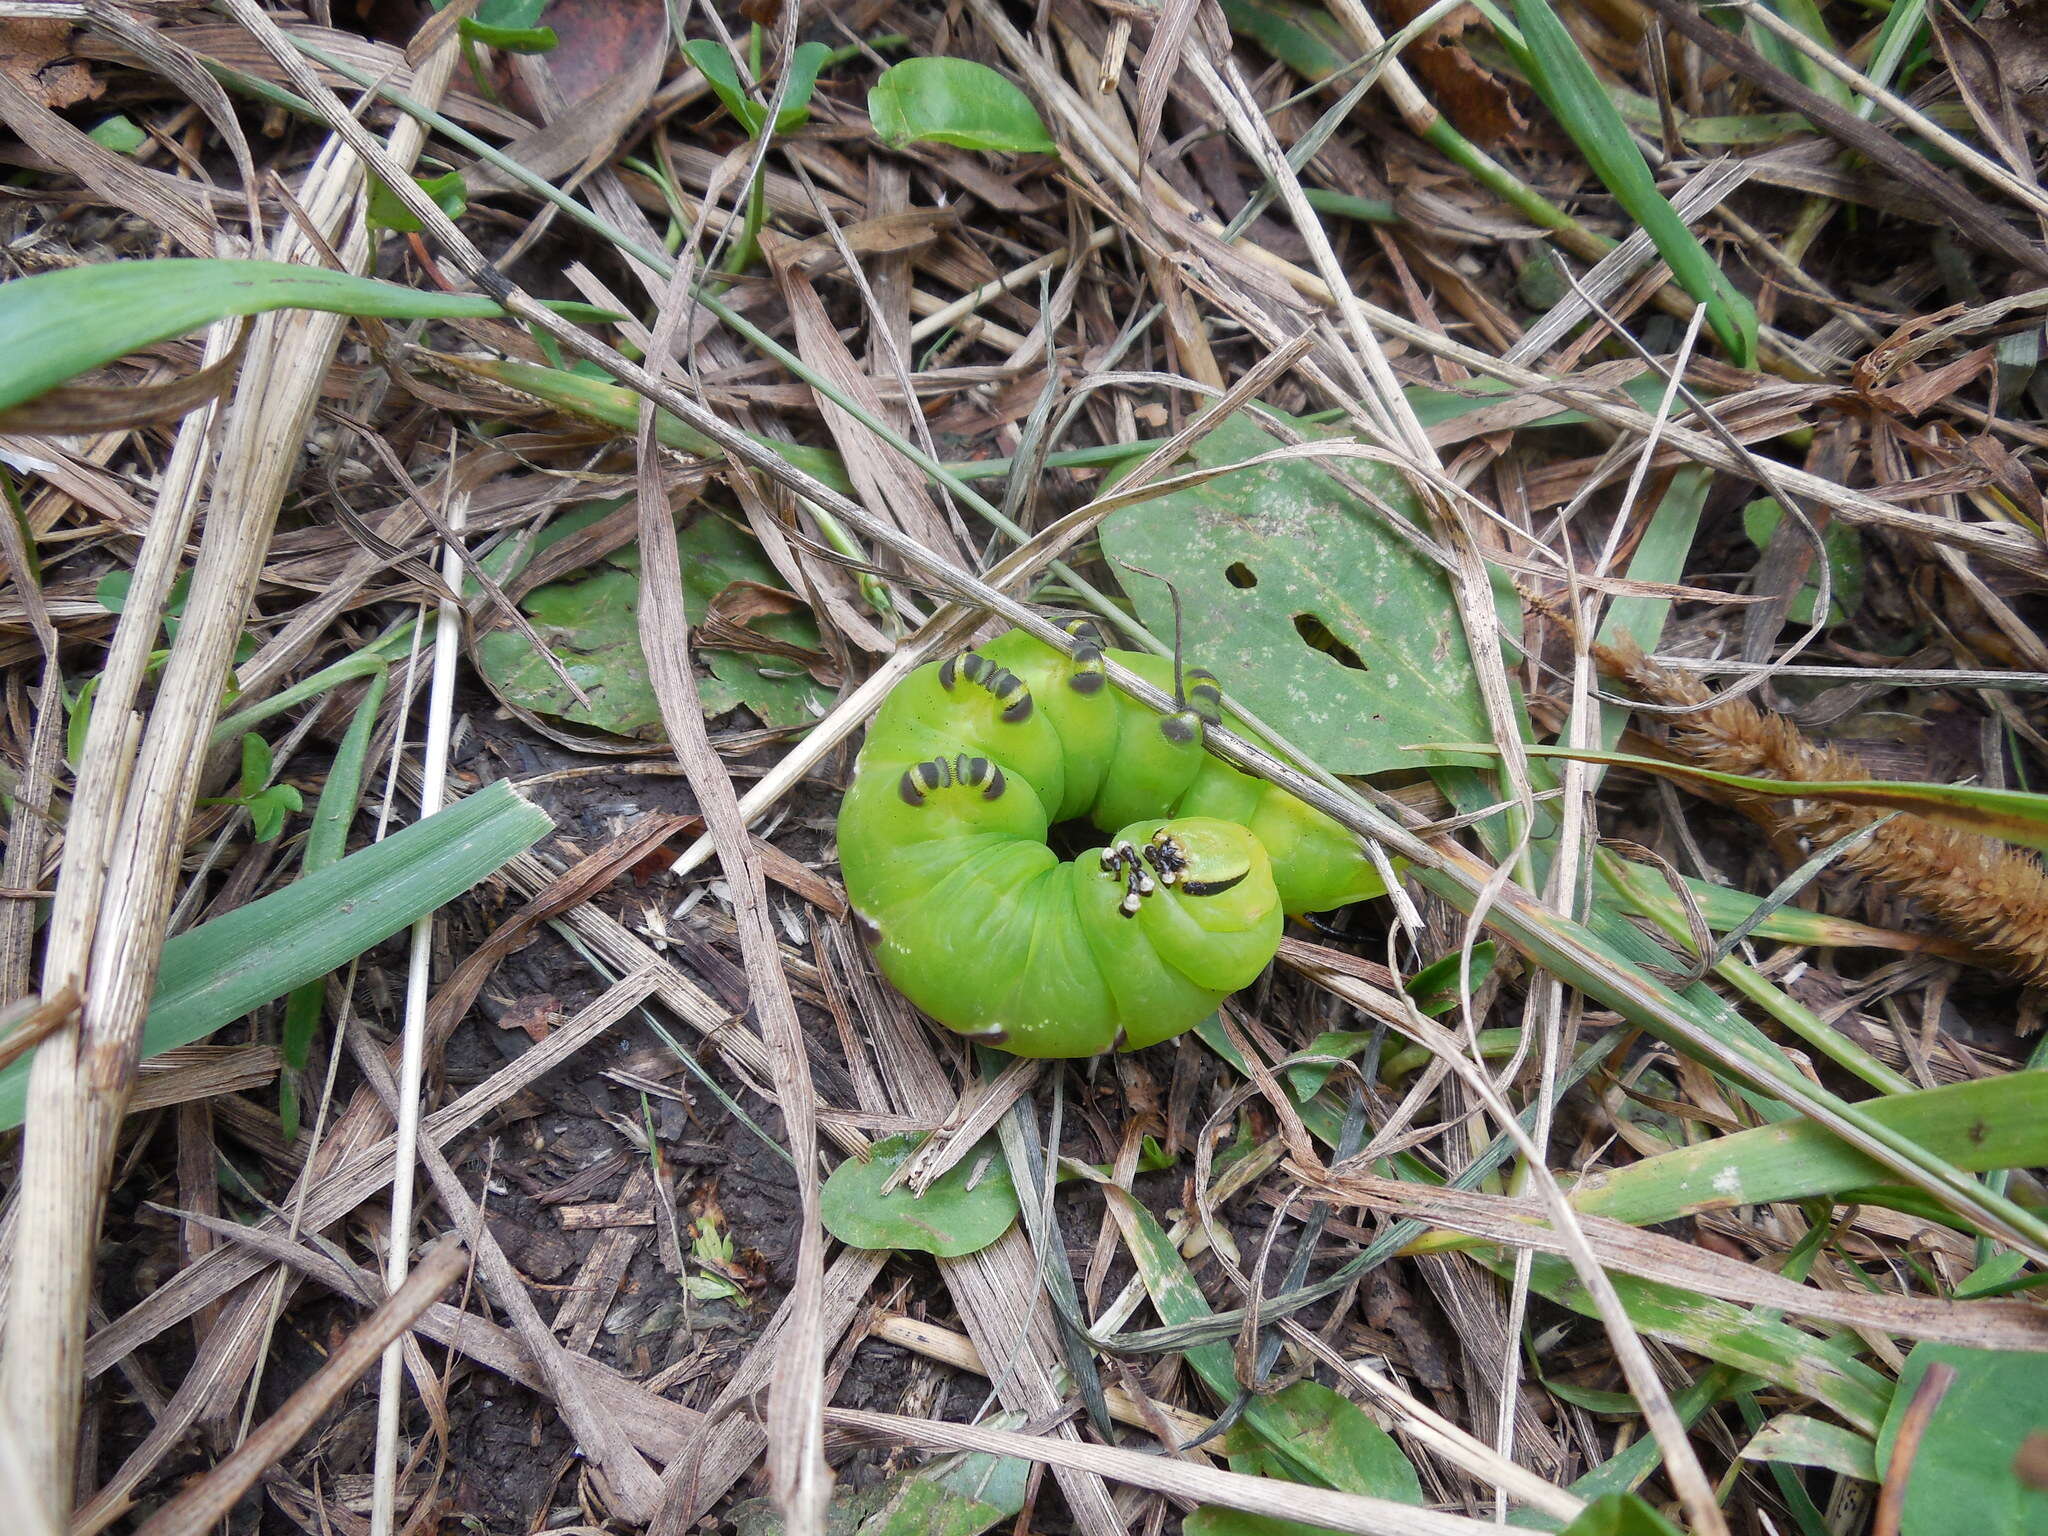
{"x": 59, "y": 325}
{"x": 236, "y": 963}
{"x": 1582, "y": 106}
{"x": 1992, "y": 1122}
{"x": 1751, "y": 1341}
{"x": 326, "y": 842}
{"x": 2011, "y": 815}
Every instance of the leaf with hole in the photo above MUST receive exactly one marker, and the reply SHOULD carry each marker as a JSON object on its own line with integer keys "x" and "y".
{"x": 965, "y": 1209}
{"x": 1320, "y": 618}
{"x": 956, "y": 102}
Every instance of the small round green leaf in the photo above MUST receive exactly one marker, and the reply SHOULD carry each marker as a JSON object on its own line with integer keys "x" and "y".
{"x": 963, "y": 1212}
{"x": 957, "y": 102}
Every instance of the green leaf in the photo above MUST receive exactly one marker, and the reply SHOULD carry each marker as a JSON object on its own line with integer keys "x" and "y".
{"x": 1980, "y": 1125}
{"x": 59, "y": 325}
{"x": 1331, "y": 1436}
{"x": 965, "y": 1210}
{"x": 120, "y": 134}
{"x": 1316, "y": 616}
{"x": 387, "y": 212}
{"x": 1796, "y": 1439}
{"x": 956, "y": 102}
{"x": 1840, "y": 543}
{"x": 256, "y": 763}
{"x": 710, "y": 1287}
{"x": 1309, "y": 1433}
{"x": 235, "y": 963}
{"x": 959, "y": 1495}
{"x": 722, "y": 75}
{"x": 510, "y": 25}
{"x": 1620, "y": 1514}
{"x": 591, "y": 623}
{"x": 267, "y": 811}
{"x": 2011, "y": 815}
{"x": 1585, "y": 109}
{"x": 1963, "y": 1476}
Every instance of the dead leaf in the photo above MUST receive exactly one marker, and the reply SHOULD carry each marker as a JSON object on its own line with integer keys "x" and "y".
{"x": 1477, "y": 103}
{"x": 36, "y": 54}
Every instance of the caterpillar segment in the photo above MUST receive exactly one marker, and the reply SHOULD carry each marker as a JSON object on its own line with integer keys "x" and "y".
{"x": 969, "y": 764}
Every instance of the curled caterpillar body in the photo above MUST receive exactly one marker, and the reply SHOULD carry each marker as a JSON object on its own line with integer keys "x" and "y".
{"x": 969, "y": 764}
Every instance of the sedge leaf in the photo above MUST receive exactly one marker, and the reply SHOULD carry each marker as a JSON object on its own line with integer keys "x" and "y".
{"x": 1586, "y": 111}
{"x": 61, "y": 324}
{"x": 228, "y": 967}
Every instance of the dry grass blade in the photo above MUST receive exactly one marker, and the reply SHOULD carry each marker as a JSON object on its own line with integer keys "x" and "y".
{"x": 201, "y": 1506}
{"x": 710, "y": 519}
{"x": 796, "y": 1391}
{"x": 109, "y": 923}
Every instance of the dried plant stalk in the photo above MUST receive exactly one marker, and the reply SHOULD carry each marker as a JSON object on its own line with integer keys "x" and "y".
{"x": 1993, "y": 895}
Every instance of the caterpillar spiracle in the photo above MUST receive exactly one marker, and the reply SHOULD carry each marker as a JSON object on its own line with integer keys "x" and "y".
{"x": 969, "y": 764}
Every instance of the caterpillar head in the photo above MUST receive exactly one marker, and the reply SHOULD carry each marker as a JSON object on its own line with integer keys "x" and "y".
{"x": 1203, "y": 892}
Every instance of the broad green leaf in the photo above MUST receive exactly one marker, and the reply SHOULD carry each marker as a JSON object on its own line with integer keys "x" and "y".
{"x": 1964, "y": 1477}
{"x": 235, "y": 963}
{"x": 59, "y": 325}
{"x": 958, "y": 1495}
{"x": 387, "y": 212}
{"x": 723, "y": 76}
{"x": 1583, "y": 107}
{"x": 1799, "y": 1440}
{"x": 957, "y": 102}
{"x": 966, "y": 1208}
{"x": 1980, "y": 1125}
{"x": 1331, "y": 1436}
{"x": 1841, "y": 544}
{"x": 1620, "y": 1514}
{"x": 591, "y": 623}
{"x": 1314, "y": 614}
{"x": 2011, "y": 815}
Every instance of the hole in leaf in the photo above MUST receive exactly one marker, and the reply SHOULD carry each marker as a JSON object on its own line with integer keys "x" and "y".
{"x": 1238, "y": 574}
{"x": 1316, "y": 634}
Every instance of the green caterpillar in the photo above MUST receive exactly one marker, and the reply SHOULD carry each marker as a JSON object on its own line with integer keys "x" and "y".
{"x": 968, "y": 765}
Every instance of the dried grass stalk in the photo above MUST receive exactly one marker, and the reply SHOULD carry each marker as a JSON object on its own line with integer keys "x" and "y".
{"x": 1992, "y": 894}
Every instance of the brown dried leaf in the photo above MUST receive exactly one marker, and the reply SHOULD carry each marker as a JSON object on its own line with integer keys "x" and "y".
{"x": 1477, "y": 103}
{"x": 37, "y": 55}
